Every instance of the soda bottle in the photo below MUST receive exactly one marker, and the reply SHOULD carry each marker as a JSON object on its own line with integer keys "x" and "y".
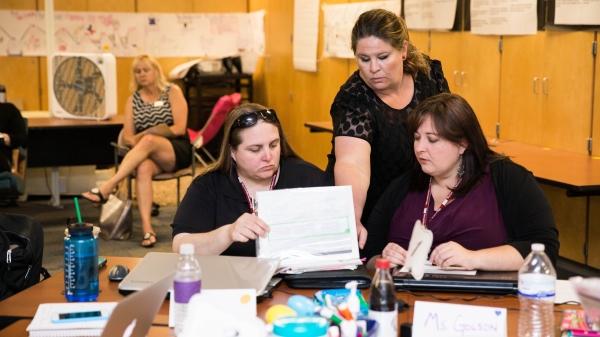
{"x": 187, "y": 282}
{"x": 81, "y": 263}
{"x": 382, "y": 302}
{"x": 537, "y": 279}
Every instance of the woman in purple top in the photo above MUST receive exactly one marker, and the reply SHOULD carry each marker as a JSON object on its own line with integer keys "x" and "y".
{"x": 483, "y": 209}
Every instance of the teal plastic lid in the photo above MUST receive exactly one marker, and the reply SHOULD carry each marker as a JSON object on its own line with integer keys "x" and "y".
{"x": 309, "y": 326}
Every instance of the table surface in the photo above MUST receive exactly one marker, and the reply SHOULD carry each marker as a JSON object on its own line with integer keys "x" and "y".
{"x": 25, "y": 303}
{"x": 42, "y": 122}
{"x": 574, "y": 172}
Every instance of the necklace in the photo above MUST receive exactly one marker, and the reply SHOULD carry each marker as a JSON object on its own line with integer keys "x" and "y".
{"x": 249, "y": 199}
{"x": 444, "y": 203}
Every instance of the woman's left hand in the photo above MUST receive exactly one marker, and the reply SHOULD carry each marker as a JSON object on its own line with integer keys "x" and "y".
{"x": 452, "y": 254}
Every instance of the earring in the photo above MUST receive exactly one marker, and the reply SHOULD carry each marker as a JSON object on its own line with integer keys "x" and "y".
{"x": 403, "y": 57}
{"x": 461, "y": 168}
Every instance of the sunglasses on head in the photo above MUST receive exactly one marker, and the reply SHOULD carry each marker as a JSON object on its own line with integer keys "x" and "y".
{"x": 250, "y": 118}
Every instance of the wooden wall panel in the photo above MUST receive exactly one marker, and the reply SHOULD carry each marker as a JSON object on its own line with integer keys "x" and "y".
{"x": 568, "y": 113}
{"x": 594, "y": 233}
{"x": 170, "y": 6}
{"x": 65, "y": 5}
{"x": 570, "y": 215}
{"x": 596, "y": 108}
{"x": 203, "y": 6}
{"x": 111, "y": 5}
{"x": 43, "y": 75}
{"x": 18, "y": 4}
{"x": 420, "y": 39}
{"x": 443, "y": 47}
{"x": 520, "y": 113}
{"x": 20, "y": 77}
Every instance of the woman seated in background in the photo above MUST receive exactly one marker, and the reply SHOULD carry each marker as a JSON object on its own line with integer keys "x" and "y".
{"x": 483, "y": 209}
{"x": 216, "y": 214}
{"x": 371, "y": 146}
{"x": 154, "y": 102}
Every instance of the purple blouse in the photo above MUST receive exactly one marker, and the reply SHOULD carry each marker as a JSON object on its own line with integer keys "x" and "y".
{"x": 474, "y": 221}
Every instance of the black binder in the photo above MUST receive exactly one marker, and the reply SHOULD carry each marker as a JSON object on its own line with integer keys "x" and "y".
{"x": 329, "y": 278}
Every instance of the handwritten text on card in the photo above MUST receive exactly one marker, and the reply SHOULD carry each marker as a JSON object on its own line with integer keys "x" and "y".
{"x": 445, "y": 320}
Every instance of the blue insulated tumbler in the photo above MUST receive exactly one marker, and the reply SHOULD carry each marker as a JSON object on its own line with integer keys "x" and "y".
{"x": 81, "y": 263}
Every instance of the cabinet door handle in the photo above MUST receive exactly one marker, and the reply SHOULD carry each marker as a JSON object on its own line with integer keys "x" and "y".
{"x": 535, "y": 85}
{"x": 454, "y": 77}
{"x": 545, "y": 85}
{"x": 462, "y": 78}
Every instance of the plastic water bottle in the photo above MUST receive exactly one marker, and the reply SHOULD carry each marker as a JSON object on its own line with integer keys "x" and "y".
{"x": 187, "y": 283}
{"x": 382, "y": 302}
{"x": 81, "y": 263}
{"x": 537, "y": 279}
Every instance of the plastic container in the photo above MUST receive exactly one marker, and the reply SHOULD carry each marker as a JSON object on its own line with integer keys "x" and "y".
{"x": 81, "y": 263}
{"x": 308, "y": 326}
{"x": 187, "y": 283}
{"x": 382, "y": 301}
{"x": 537, "y": 281}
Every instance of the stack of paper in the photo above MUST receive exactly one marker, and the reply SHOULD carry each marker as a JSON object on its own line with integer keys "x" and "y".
{"x": 311, "y": 228}
{"x": 42, "y": 325}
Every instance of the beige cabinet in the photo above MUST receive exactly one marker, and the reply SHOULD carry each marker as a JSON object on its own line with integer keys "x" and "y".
{"x": 471, "y": 65}
{"x": 546, "y": 89}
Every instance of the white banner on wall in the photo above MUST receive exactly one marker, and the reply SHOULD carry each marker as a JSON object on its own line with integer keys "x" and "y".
{"x": 306, "y": 34}
{"x": 504, "y": 17}
{"x": 339, "y": 20}
{"x": 577, "y": 12}
{"x": 429, "y": 14}
{"x": 128, "y": 34}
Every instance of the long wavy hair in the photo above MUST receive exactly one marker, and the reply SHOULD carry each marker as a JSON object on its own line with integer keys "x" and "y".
{"x": 232, "y": 139}
{"x": 161, "y": 80}
{"x": 390, "y": 28}
{"x": 454, "y": 120}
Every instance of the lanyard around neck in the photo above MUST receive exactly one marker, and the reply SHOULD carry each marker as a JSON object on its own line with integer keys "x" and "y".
{"x": 444, "y": 203}
{"x": 251, "y": 200}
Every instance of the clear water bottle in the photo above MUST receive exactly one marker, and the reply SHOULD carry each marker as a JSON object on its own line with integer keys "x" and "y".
{"x": 382, "y": 302}
{"x": 537, "y": 279}
{"x": 187, "y": 283}
{"x": 81, "y": 263}
{"x": 2, "y": 94}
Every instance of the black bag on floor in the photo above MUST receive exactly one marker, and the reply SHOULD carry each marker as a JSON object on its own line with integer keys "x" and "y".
{"x": 21, "y": 252}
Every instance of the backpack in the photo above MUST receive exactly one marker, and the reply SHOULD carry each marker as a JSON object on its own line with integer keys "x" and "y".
{"x": 21, "y": 252}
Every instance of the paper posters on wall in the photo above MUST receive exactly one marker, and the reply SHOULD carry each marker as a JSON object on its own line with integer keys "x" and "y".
{"x": 306, "y": 34}
{"x": 128, "y": 34}
{"x": 577, "y": 12}
{"x": 429, "y": 14}
{"x": 338, "y": 23}
{"x": 504, "y": 17}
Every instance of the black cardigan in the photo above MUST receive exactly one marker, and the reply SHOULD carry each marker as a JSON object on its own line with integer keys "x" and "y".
{"x": 525, "y": 210}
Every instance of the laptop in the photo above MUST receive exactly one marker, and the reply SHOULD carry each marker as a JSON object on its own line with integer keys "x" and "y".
{"x": 128, "y": 314}
{"x": 218, "y": 272}
{"x": 483, "y": 282}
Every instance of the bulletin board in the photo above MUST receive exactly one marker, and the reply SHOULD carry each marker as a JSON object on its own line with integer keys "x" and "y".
{"x": 22, "y": 33}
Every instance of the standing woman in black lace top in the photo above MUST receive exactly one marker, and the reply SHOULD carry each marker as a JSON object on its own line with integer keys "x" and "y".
{"x": 371, "y": 144}
{"x": 154, "y": 102}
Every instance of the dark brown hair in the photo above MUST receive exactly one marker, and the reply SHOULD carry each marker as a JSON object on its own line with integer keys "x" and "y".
{"x": 454, "y": 120}
{"x": 390, "y": 28}
{"x": 232, "y": 138}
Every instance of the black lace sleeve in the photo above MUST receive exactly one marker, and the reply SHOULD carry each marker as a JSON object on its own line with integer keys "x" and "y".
{"x": 350, "y": 111}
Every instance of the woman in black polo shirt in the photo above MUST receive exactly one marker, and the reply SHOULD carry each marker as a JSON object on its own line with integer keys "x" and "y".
{"x": 216, "y": 212}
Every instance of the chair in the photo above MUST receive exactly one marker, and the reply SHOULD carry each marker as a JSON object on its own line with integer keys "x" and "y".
{"x": 12, "y": 184}
{"x": 121, "y": 150}
{"x": 214, "y": 123}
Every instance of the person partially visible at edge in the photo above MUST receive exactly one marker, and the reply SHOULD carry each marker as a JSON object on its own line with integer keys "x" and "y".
{"x": 484, "y": 210}
{"x": 13, "y": 134}
{"x": 154, "y": 101}
{"x": 371, "y": 145}
{"x": 216, "y": 214}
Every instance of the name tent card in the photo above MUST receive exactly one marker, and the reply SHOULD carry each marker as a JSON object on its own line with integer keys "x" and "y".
{"x": 454, "y": 320}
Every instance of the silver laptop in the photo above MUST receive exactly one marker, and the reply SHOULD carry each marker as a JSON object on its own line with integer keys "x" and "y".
{"x": 128, "y": 316}
{"x": 218, "y": 272}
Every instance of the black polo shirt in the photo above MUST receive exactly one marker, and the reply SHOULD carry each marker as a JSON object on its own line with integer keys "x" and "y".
{"x": 216, "y": 199}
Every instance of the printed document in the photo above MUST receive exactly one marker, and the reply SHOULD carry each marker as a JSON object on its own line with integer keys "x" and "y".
{"x": 311, "y": 228}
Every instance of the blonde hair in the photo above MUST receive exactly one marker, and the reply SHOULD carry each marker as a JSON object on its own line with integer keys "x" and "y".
{"x": 161, "y": 80}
